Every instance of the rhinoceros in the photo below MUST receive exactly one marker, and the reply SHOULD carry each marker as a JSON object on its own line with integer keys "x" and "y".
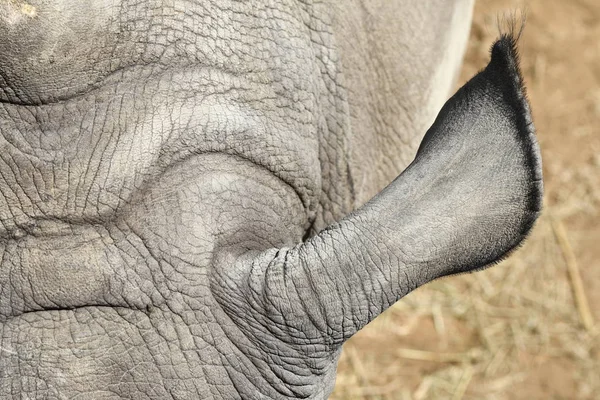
{"x": 206, "y": 199}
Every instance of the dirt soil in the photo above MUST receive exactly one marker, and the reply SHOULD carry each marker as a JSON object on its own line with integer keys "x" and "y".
{"x": 520, "y": 330}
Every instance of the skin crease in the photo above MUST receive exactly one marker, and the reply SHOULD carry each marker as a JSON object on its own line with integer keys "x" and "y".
{"x": 166, "y": 168}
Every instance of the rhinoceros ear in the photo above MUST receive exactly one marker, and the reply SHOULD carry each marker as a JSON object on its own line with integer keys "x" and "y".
{"x": 483, "y": 156}
{"x": 470, "y": 196}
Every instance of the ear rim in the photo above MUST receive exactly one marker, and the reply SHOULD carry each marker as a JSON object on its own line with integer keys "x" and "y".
{"x": 505, "y": 54}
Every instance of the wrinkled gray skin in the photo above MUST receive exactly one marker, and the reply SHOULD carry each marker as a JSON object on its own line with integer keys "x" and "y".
{"x": 177, "y": 177}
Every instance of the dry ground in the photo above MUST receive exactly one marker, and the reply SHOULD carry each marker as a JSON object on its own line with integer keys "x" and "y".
{"x": 519, "y": 330}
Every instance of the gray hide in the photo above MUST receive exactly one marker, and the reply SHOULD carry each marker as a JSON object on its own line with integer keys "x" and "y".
{"x": 178, "y": 180}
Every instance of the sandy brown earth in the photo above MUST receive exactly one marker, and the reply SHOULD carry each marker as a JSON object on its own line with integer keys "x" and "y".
{"x": 524, "y": 329}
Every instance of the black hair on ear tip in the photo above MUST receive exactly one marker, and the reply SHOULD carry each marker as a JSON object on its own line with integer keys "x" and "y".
{"x": 504, "y": 51}
{"x": 509, "y": 24}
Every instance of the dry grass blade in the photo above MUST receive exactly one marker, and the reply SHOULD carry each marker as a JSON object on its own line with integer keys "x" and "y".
{"x": 574, "y": 275}
{"x": 423, "y": 389}
{"x": 463, "y": 384}
{"x": 421, "y": 355}
{"x": 357, "y": 366}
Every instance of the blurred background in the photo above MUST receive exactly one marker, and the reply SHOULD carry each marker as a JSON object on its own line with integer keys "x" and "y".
{"x": 530, "y": 327}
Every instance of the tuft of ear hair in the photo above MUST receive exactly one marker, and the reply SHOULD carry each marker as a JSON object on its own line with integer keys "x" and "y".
{"x": 509, "y": 24}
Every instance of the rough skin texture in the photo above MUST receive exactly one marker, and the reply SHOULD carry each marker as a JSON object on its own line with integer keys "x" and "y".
{"x": 176, "y": 179}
